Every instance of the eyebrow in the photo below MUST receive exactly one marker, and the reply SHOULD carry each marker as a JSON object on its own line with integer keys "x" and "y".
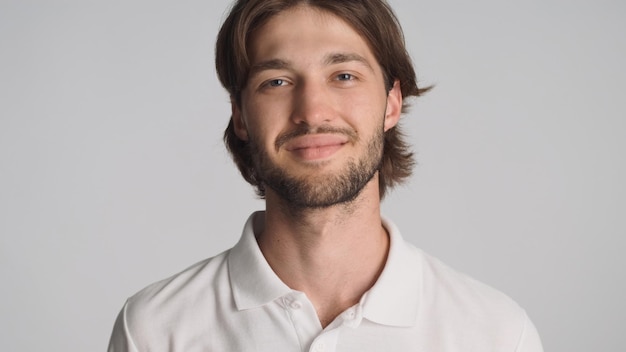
{"x": 330, "y": 59}
{"x": 273, "y": 64}
{"x": 338, "y": 58}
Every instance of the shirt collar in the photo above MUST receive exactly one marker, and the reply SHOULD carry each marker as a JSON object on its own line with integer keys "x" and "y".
{"x": 253, "y": 281}
{"x": 394, "y": 298}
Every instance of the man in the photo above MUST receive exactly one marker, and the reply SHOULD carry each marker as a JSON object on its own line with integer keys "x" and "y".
{"x": 317, "y": 89}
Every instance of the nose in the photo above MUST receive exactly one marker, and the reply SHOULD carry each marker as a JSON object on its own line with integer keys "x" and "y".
{"x": 313, "y": 105}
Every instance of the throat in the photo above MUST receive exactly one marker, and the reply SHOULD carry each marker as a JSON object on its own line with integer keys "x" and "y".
{"x": 332, "y": 257}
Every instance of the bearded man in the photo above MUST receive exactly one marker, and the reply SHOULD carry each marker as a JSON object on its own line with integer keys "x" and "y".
{"x": 317, "y": 89}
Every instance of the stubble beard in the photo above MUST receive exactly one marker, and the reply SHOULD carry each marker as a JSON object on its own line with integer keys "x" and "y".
{"x": 324, "y": 190}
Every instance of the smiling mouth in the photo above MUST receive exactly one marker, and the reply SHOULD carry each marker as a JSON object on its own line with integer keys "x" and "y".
{"x": 313, "y": 147}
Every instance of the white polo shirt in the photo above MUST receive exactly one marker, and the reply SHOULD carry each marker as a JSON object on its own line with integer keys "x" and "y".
{"x": 235, "y": 302}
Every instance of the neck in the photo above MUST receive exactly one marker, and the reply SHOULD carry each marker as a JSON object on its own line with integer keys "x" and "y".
{"x": 332, "y": 254}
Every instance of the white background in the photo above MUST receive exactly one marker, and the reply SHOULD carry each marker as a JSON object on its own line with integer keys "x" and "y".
{"x": 113, "y": 174}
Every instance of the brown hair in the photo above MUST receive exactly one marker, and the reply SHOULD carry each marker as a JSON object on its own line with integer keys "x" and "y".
{"x": 374, "y": 20}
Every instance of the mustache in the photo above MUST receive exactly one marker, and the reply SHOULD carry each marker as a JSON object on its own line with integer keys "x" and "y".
{"x": 306, "y": 130}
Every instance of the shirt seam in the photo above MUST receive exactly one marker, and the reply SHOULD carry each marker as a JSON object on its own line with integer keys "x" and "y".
{"x": 127, "y": 330}
{"x": 522, "y": 336}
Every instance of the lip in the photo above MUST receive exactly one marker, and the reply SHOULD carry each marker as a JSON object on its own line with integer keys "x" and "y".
{"x": 316, "y": 146}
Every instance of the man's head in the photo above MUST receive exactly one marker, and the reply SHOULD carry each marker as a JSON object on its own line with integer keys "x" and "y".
{"x": 373, "y": 23}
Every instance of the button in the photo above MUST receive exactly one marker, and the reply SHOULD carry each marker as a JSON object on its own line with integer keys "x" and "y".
{"x": 319, "y": 347}
{"x": 349, "y": 314}
{"x": 295, "y": 305}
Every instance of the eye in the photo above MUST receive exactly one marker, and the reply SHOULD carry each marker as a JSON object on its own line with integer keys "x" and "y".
{"x": 276, "y": 82}
{"x": 345, "y": 77}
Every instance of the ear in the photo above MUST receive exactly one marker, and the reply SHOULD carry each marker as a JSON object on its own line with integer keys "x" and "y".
{"x": 394, "y": 106}
{"x": 238, "y": 123}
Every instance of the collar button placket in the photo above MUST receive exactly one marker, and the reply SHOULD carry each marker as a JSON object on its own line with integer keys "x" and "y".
{"x": 352, "y": 317}
{"x": 303, "y": 317}
{"x": 295, "y": 305}
{"x": 319, "y": 347}
{"x": 326, "y": 341}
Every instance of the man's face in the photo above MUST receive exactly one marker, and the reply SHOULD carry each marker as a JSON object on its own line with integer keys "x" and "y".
{"x": 314, "y": 108}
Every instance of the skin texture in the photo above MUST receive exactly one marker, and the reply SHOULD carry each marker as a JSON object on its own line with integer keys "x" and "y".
{"x": 314, "y": 110}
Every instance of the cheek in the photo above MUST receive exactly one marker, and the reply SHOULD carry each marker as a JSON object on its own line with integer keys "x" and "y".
{"x": 267, "y": 116}
{"x": 365, "y": 111}
{"x": 262, "y": 132}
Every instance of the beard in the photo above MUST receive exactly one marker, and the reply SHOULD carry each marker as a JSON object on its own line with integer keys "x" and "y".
{"x": 323, "y": 190}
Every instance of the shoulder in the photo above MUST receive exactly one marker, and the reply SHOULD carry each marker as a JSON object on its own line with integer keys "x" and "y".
{"x": 154, "y": 312}
{"x": 443, "y": 284}
{"x": 444, "y": 296}
{"x": 186, "y": 286}
{"x": 456, "y": 301}
{"x": 459, "y": 287}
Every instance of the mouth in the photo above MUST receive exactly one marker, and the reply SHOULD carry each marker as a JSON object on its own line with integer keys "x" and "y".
{"x": 313, "y": 147}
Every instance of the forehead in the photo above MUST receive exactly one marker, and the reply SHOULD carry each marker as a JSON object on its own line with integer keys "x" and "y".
{"x": 302, "y": 30}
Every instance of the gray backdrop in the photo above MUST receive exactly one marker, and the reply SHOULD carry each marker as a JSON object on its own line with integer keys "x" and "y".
{"x": 113, "y": 174}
